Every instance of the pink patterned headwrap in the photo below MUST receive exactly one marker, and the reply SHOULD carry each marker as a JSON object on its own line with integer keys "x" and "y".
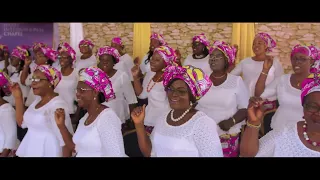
{"x": 98, "y": 80}
{"x": 310, "y": 84}
{"x": 198, "y": 82}
{"x": 109, "y": 51}
{"x": 20, "y": 53}
{"x": 49, "y": 53}
{"x": 65, "y": 47}
{"x": 5, "y": 83}
{"x": 4, "y": 47}
{"x": 202, "y": 39}
{"x": 158, "y": 37}
{"x": 308, "y": 50}
{"x": 38, "y": 45}
{"x": 226, "y": 49}
{"x": 168, "y": 54}
{"x": 117, "y": 40}
{"x": 52, "y": 74}
{"x": 86, "y": 43}
{"x": 268, "y": 40}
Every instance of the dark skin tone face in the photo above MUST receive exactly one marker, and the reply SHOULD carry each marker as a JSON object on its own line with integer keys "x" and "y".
{"x": 311, "y": 110}
{"x": 178, "y": 95}
{"x": 65, "y": 60}
{"x": 301, "y": 63}
{"x": 85, "y": 95}
{"x": 217, "y": 61}
{"x": 197, "y": 48}
{"x": 117, "y": 46}
{"x": 259, "y": 46}
{"x": 154, "y": 44}
{"x": 106, "y": 63}
{"x": 41, "y": 59}
{"x": 14, "y": 61}
{"x": 85, "y": 49}
{"x": 41, "y": 85}
{"x": 156, "y": 62}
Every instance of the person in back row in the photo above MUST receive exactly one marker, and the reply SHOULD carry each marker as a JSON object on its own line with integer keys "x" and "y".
{"x": 87, "y": 58}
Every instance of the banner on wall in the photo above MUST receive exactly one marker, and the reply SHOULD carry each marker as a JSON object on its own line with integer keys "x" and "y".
{"x": 14, "y": 34}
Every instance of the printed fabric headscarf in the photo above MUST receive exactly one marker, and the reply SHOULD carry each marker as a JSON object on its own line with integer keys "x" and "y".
{"x": 5, "y": 83}
{"x": 49, "y": 53}
{"x": 168, "y": 54}
{"x": 226, "y": 49}
{"x": 310, "y": 84}
{"x": 98, "y": 80}
{"x": 158, "y": 37}
{"x": 107, "y": 50}
{"x": 4, "y": 48}
{"x": 268, "y": 40}
{"x": 20, "y": 53}
{"x": 38, "y": 45}
{"x": 52, "y": 74}
{"x": 308, "y": 50}
{"x": 198, "y": 82}
{"x": 201, "y": 38}
{"x": 65, "y": 47}
{"x": 86, "y": 43}
{"x": 117, "y": 40}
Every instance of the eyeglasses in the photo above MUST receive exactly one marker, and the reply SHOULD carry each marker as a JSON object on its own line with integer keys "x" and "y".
{"x": 82, "y": 90}
{"x": 177, "y": 91}
{"x": 312, "y": 107}
{"x": 37, "y": 79}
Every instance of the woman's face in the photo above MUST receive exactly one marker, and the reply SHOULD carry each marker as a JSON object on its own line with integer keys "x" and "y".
{"x": 14, "y": 61}
{"x": 106, "y": 63}
{"x": 301, "y": 63}
{"x": 117, "y": 46}
{"x": 217, "y": 61}
{"x": 41, "y": 59}
{"x": 154, "y": 44}
{"x": 259, "y": 46}
{"x": 65, "y": 60}
{"x": 311, "y": 110}
{"x": 85, "y": 94}
{"x": 197, "y": 48}
{"x": 178, "y": 95}
{"x": 157, "y": 63}
{"x": 40, "y": 84}
{"x": 84, "y": 49}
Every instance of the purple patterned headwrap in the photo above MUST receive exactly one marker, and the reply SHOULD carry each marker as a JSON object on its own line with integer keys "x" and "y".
{"x": 202, "y": 39}
{"x": 158, "y": 37}
{"x": 308, "y": 50}
{"x": 226, "y": 49}
{"x": 38, "y": 45}
{"x": 268, "y": 40}
{"x": 4, "y": 47}
{"x": 49, "y": 53}
{"x": 198, "y": 82}
{"x": 98, "y": 80}
{"x": 5, "y": 83}
{"x": 117, "y": 40}
{"x": 65, "y": 47}
{"x": 20, "y": 53}
{"x": 86, "y": 43}
{"x": 52, "y": 74}
{"x": 168, "y": 54}
{"x": 107, "y": 50}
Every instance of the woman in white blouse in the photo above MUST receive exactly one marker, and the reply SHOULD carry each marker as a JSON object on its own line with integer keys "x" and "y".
{"x": 182, "y": 131}
{"x": 200, "y": 56}
{"x": 287, "y": 87}
{"x": 227, "y": 100}
{"x": 43, "y": 138}
{"x": 87, "y": 58}
{"x": 125, "y": 99}
{"x": 99, "y": 131}
{"x": 69, "y": 80}
{"x": 300, "y": 139}
{"x": 152, "y": 88}
{"x": 8, "y": 127}
{"x": 252, "y": 67}
{"x": 126, "y": 62}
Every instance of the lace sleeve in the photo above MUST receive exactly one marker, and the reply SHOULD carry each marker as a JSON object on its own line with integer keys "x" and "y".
{"x": 206, "y": 138}
{"x": 271, "y": 89}
{"x": 242, "y": 95}
{"x": 109, "y": 128}
{"x": 267, "y": 144}
{"x": 237, "y": 70}
{"x": 9, "y": 127}
{"x": 128, "y": 90}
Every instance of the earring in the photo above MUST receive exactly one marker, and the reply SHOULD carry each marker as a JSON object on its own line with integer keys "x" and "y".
{"x": 191, "y": 104}
{"x": 94, "y": 98}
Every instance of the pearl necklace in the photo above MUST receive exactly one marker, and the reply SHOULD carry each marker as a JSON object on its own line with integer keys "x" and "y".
{"x": 179, "y": 118}
{"x": 306, "y": 137}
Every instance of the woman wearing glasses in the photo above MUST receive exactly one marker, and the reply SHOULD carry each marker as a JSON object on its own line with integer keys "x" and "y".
{"x": 301, "y": 139}
{"x": 43, "y": 138}
{"x": 99, "y": 131}
{"x": 87, "y": 59}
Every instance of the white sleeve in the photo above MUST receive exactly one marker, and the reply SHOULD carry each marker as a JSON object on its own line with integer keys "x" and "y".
{"x": 146, "y": 80}
{"x": 278, "y": 68}
{"x": 9, "y": 127}
{"x": 271, "y": 89}
{"x": 28, "y": 80}
{"x": 242, "y": 95}
{"x": 237, "y": 70}
{"x": 54, "y": 125}
{"x": 128, "y": 90}
{"x": 109, "y": 128}
{"x": 143, "y": 65}
{"x": 206, "y": 138}
{"x": 267, "y": 144}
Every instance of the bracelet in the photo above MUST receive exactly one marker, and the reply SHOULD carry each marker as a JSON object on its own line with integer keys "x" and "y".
{"x": 253, "y": 126}
{"x": 264, "y": 73}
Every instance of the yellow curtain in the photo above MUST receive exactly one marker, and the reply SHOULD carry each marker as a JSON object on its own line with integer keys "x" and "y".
{"x": 243, "y": 35}
{"x": 141, "y": 39}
